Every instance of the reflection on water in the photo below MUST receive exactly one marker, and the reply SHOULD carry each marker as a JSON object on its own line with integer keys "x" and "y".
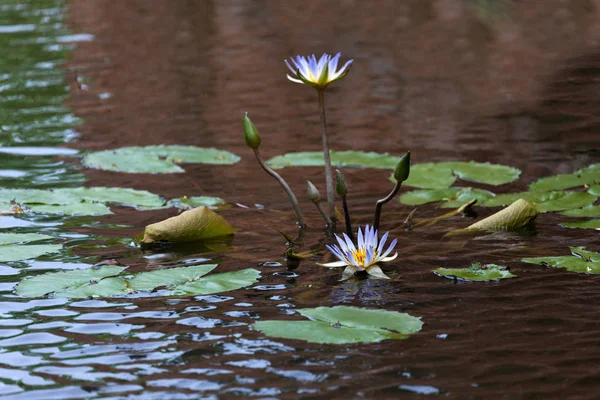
{"x": 451, "y": 79}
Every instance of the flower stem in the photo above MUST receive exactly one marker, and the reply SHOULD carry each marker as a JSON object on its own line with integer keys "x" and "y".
{"x": 328, "y": 172}
{"x": 381, "y": 202}
{"x": 347, "y": 219}
{"x": 285, "y": 187}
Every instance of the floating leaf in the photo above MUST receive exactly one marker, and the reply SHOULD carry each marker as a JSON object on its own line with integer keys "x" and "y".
{"x": 84, "y": 208}
{"x": 169, "y": 277}
{"x": 545, "y": 201}
{"x": 195, "y": 201}
{"x": 585, "y": 176}
{"x": 477, "y": 272}
{"x": 491, "y": 174}
{"x": 18, "y": 252}
{"x": 343, "y": 324}
{"x": 589, "y": 211}
{"x": 452, "y": 197}
{"x": 217, "y": 283}
{"x": 13, "y": 238}
{"x": 594, "y": 189}
{"x": 589, "y": 224}
{"x": 512, "y": 218}
{"x": 64, "y": 280}
{"x": 159, "y": 159}
{"x": 429, "y": 176}
{"x": 350, "y": 158}
{"x": 584, "y": 261}
{"x": 190, "y": 226}
{"x": 36, "y": 196}
{"x": 103, "y": 288}
{"x": 122, "y": 196}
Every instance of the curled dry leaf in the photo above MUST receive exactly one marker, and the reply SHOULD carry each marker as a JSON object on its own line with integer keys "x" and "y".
{"x": 190, "y": 226}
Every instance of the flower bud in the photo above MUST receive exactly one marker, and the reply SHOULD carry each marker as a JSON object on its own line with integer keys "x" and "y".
{"x": 313, "y": 192}
{"x": 403, "y": 168}
{"x": 340, "y": 183}
{"x": 251, "y": 133}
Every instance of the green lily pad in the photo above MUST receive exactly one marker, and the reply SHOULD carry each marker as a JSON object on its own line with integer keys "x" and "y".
{"x": 589, "y": 211}
{"x": 159, "y": 159}
{"x": 81, "y": 208}
{"x": 103, "y": 288}
{"x": 343, "y": 324}
{"x": 477, "y": 272}
{"x": 452, "y": 197}
{"x": 195, "y": 201}
{"x": 13, "y": 238}
{"x": 122, "y": 196}
{"x": 169, "y": 277}
{"x": 217, "y": 283}
{"x": 594, "y": 189}
{"x": 37, "y": 196}
{"x": 583, "y": 261}
{"x": 585, "y": 176}
{"x": 17, "y": 252}
{"x": 491, "y": 174}
{"x": 545, "y": 201}
{"x": 358, "y": 159}
{"x": 429, "y": 176}
{"x": 589, "y": 224}
{"x": 64, "y": 280}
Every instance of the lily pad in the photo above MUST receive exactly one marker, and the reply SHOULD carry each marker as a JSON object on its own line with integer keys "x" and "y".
{"x": 37, "y": 196}
{"x": 545, "y": 201}
{"x": 169, "y": 277}
{"x": 122, "y": 196}
{"x": 218, "y": 283}
{"x": 452, "y": 197}
{"x": 358, "y": 159}
{"x": 589, "y": 224}
{"x": 477, "y": 272}
{"x": 159, "y": 159}
{"x": 589, "y": 211}
{"x": 343, "y": 324}
{"x": 197, "y": 224}
{"x": 491, "y": 174}
{"x": 585, "y": 176}
{"x": 429, "y": 176}
{"x": 82, "y": 208}
{"x": 594, "y": 189}
{"x": 13, "y": 238}
{"x": 583, "y": 261}
{"x": 64, "y": 280}
{"x": 18, "y": 252}
{"x": 512, "y": 218}
{"x": 103, "y": 288}
{"x": 195, "y": 201}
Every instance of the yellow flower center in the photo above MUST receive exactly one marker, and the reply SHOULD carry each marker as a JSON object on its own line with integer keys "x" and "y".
{"x": 360, "y": 255}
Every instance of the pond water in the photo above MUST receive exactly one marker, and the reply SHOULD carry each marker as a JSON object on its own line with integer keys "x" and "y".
{"x": 512, "y": 83}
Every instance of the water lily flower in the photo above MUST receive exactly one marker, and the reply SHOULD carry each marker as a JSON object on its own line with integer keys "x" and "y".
{"x": 364, "y": 256}
{"x": 317, "y": 73}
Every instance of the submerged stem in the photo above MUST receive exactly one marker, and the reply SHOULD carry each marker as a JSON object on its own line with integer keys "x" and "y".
{"x": 285, "y": 187}
{"x": 381, "y": 202}
{"x": 328, "y": 173}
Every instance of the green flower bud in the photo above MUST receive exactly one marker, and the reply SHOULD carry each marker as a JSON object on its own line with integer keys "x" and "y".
{"x": 251, "y": 133}
{"x": 313, "y": 192}
{"x": 403, "y": 168}
{"x": 340, "y": 183}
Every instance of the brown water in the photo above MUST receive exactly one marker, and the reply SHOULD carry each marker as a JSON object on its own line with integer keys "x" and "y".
{"x": 506, "y": 82}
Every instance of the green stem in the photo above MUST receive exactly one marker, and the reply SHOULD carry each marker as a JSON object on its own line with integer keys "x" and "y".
{"x": 347, "y": 219}
{"x": 381, "y": 202}
{"x": 285, "y": 187}
{"x": 328, "y": 172}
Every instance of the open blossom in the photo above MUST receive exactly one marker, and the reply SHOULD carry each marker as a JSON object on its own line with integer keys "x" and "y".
{"x": 317, "y": 73}
{"x": 363, "y": 257}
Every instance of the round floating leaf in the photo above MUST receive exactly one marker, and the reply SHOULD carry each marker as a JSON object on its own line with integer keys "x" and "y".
{"x": 338, "y": 158}
{"x": 189, "y": 226}
{"x": 491, "y": 174}
{"x": 217, "y": 283}
{"x": 589, "y": 224}
{"x": 429, "y": 176}
{"x": 121, "y": 196}
{"x": 169, "y": 277}
{"x": 452, "y": 197}
{"x": 80, "y": 208}
{"x": 36, "y": 196}
{"x": 156, "y": 159}
{"x": 589, "y": 211}
{"x": 64, "y": 280}
{"x": 585, "y": 261}
{"x": 103, "y": 288}
{"x": 585, "y": 176}
{"x": 20, "y": 252}
{"x": 342, "y": 324}
{"x": 477, "y": 272}
{"x": 13, "y": 238}
{"x": 195, "y": 201}
{"x": 545, "y": 201}
{"x": 594, "y": 190}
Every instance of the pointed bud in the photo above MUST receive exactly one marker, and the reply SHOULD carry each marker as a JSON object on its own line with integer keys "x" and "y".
{"x": 313, "y": 192}
{"x": 340, "y": 183}
{"x": 251, "y": 133}
{"x": 403, "y": 168}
